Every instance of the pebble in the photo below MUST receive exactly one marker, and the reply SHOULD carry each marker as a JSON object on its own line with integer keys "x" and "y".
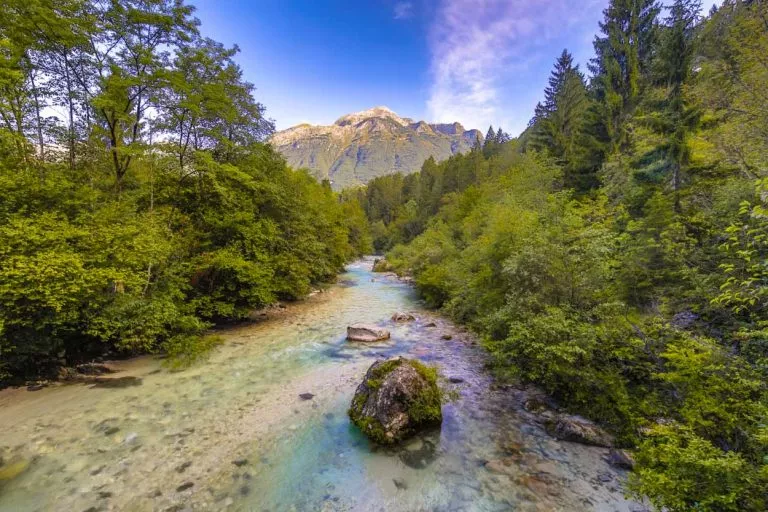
{"x": 306, "y": 396}
{"x": 604, "y": 477}
{"x": 185, "y": 486}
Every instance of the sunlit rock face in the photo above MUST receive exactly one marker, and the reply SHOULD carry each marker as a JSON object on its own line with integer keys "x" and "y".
{"x": 361, "y": 146}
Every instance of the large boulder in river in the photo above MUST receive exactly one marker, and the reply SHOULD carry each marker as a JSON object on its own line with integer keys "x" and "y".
{"x": 366, "y": 332}
{"x": 579, "y": 430}
{"x": 397, "y": 398}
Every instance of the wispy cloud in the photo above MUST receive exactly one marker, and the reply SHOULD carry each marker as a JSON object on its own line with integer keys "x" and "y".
{"x": 479, "y": 46}
{"x": 403, "y": 10}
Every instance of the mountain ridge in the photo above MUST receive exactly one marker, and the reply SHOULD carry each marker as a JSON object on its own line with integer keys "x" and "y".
{"x": 363, "y": 145}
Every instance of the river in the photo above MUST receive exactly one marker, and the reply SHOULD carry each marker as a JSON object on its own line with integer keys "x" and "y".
{"x": 232, "y": 433}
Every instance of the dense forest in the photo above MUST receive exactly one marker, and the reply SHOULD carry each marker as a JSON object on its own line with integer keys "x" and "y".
{"x": 615, "y": 253}
{"x": 139, "y": 204}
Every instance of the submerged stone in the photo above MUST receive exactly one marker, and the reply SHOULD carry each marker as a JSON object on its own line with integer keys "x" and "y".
{"x": 112, "y": 382}
{"x": 93, "y": 369}
{"x": 579, "y": 430}
{"x": 366, "y": 332}
{"x": 400, "y": 483}
{"x": 403, "y": 317}
{"x": 397, "y": 398}
{"x": 13, "y": 469}
{"x": 183, "y": 487}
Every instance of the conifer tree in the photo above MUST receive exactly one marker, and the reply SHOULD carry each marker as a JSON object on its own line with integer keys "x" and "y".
{"x": 563, "y": 68}
{"x": 678, "y": 118}
{"x": 621, "y": 63}
{"x": 490, "y": 136}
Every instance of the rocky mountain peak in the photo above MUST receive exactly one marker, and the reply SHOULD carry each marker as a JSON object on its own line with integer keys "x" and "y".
{"x": 363, "y": 145}
{"x": 372, "y": 113}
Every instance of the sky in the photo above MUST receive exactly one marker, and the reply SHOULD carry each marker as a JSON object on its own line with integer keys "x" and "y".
{"x": 478, "y": 62}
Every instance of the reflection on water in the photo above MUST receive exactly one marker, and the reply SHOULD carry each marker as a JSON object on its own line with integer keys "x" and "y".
{"x": 233, "y": 433}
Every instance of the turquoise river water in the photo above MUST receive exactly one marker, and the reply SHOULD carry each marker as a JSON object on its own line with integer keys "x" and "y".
{"x": 232, "y": 433}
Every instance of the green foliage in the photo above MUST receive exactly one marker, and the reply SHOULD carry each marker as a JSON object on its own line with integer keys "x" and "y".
{"x": 184, "y": 351}
{"x": 622, "y": 268}
{"x": 681, "y": 471}
{"x": 178, "y": 221}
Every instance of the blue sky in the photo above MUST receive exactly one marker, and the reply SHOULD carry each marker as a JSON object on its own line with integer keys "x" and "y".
{"x": 478, "y": 62}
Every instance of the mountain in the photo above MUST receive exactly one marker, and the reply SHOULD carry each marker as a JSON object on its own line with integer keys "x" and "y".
{"x": 361, "y": 146}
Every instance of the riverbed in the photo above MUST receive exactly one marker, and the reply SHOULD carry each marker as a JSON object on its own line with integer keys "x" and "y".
{"x": 232, "y": 432}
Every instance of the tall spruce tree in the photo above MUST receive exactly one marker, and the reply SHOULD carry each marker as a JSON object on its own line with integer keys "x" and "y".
{"x": 490, "y": 136}
{"x": 560, "y": 118}
{"x": 678, "y": 117}
{"x": 563, "y": 68}
{"x": 621, "y": 63}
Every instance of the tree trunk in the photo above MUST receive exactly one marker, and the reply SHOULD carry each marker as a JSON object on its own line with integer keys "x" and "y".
{"x": 70, "y": 101}
{"x": 40, "y": 140}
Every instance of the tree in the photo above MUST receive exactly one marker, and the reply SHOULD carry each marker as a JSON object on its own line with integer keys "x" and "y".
{"x": 490, "y": 141}
{"x": 502, "y": 137}
{"x": 138, "y": 38}
{"x": 562, "y": 70}
{"x": 676, "y": 56}
{"x": 560, "y": 119}
{"x": 490, "y": 137}
{"x": 621, "y": 63}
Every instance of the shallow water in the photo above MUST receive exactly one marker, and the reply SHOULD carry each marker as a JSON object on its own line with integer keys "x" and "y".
{"x": 232, "y": 433}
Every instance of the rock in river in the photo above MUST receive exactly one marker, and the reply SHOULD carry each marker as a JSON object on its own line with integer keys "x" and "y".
{"x": 403, "y": 317}
{"x": 396, "y": 398}
{"x": 579, "y": 430}
{"x": 621, "y": 459}
{"x": 366, "y": 332}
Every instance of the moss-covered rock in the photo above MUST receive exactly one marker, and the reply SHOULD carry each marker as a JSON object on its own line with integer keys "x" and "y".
{"x": 397, "y": 398}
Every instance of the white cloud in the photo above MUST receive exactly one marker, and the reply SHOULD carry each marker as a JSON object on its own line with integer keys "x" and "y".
{"x": 403, "y": 10}
{"x": 477, "y": 48}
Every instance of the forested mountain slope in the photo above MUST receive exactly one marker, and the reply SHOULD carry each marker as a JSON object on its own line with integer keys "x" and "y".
{"x": 616, "y": 254}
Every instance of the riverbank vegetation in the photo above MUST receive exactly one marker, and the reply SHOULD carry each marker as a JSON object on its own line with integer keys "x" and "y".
{"x": 138, "y": 202}
{"x": 615, "y": 254}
